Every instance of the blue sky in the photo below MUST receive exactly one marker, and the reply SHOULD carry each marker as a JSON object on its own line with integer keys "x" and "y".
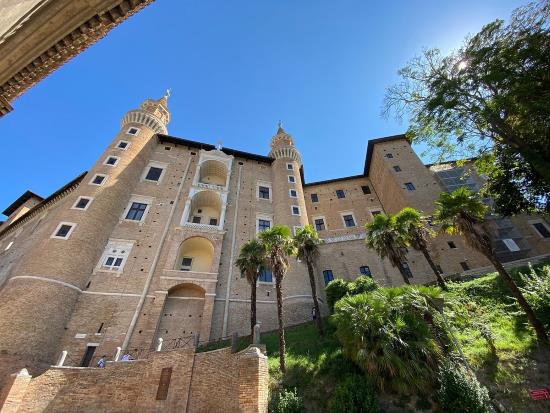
{"x": 235, "y": 68}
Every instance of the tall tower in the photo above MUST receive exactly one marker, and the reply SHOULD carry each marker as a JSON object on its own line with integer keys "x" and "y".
{"x": 39, "y": 297}
{"x": 287, "y": 181}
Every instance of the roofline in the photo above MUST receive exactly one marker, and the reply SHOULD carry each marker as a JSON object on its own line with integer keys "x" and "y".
{"x": 65, "y": 187}
{"x": 474, "y": 158}
{"x": 328, "y": 181}
{"x": 206, "y": 146}
{"x": 370, "y": 148}
{"x": 20, "y": 201}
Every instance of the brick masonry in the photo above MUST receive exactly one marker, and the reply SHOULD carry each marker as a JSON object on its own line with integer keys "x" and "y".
{"x": 203, "y": 382}
{"x": 57, "y": 294}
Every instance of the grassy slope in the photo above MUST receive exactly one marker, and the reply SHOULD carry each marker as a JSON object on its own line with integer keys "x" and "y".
{"x": 315, "y": 365}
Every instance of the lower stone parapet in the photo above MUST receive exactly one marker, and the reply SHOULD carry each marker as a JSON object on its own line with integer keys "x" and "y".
{"x": 171, "y": 381}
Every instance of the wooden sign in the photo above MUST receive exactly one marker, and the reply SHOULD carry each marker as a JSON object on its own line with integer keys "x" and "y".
{"x": 164, "y": 383}
{"x": 539, "y": 394}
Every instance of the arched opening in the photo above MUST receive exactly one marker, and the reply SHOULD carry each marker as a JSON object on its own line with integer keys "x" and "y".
{"x": 182, "y": 313}
{"x": 213, "y": 173}
{"x": 206, "y": 207}
{"x": 195, "y": 254}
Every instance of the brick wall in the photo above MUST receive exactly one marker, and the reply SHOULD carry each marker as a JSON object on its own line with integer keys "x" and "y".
{"x": 215, "y": 381}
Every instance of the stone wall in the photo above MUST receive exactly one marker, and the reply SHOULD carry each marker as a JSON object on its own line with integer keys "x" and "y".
{"x": 172, "y": 381}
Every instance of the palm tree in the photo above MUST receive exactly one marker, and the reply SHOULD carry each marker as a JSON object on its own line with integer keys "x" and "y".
{"x": 416, "y": 235}
{"x": 251, "y": 258}
{"x": 306, "y": 241}
{"x": 387, "y": 239}
{"x": 462, "y": 211}
{"x": 279, "y": 247}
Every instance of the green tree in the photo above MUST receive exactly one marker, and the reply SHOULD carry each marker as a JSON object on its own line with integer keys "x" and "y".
{"x": 279, "y": 246}
{"x": 462, "y": 212}
{"x": 392, "y": 335}
{"x": 306, "y": 241}
{"x": 388, "y": 240}
{"x": 252, "y": 256}
{"x": 417, "y": 235}
{"x": 490, "y": 94}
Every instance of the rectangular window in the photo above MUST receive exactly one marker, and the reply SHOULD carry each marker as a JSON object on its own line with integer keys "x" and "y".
{"x": 263, "y": 192}
{"x": 374, "y": 213}
{"x": 122, "y": 145}
{"x": 328, "y": 276}
{"x": 397, "y": 168}
{"x": 213, "y": 221}
{"x": 266, "y": 276}
{"x": 348, "y": 220}
{"x": 365, "y": 270}
{"x": 132, "y": 131}
{"x": 263, "y": 224}
{"x": 186, "y": 264}
{"x": 196, "y": 219}
{"x": 98, "y": 179}
{"x": 407, "y": 270}
{"x": 293, "y": 193}
{"x": 82, "y": 203}
{"x": 63, "y": 230}
{"x": 340, "y": 193}
{"x": 314, "y": 198}
{"x": 464, "y": 265}
{"x": 365, "y": 189}
{"x": 289, "y": 166}
{"x": 542, "y": 229}
{"x": 409, "y": 186}
{"x": 136, "y": 211}
{"x": 389, "y": 155}
{"x": 115, "y": 255}
{"x": 510, "y": 244}
{"x": 111, "y": 161}
{"x": 319, "y": 224}
{"x": 295, "y": 210}
{"x": 153, "y": 174}
{"x": 291, "y": 179}
{"x": 451, "y": 244}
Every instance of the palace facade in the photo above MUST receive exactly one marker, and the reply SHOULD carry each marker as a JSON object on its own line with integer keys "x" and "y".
{"x": 143, "y": 245}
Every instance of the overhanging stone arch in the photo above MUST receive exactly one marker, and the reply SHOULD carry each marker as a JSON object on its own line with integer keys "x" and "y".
{"x": 196, "y": 254}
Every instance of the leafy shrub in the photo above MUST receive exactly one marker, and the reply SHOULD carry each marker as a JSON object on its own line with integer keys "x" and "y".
{"x": 354, "y": 395}
{"x": 335, "y": 290}
{"x": 536, "y": 289}
{"x": 392, "y": 335}
{"x": 460, "y": 391}
{"x": 363, "y": 284}
{"x": 339, "y": 288}
{"x": 287, "y": 401}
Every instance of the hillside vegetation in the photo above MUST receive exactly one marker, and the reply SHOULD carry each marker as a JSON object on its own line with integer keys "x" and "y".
{"x": 493, "y": 334}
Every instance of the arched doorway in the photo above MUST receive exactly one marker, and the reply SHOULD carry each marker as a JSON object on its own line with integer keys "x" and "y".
{"x": 182, "y": 313}
{"x": 195, "y": 254}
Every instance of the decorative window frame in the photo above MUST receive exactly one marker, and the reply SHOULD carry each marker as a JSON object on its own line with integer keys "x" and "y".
{"x": 116, "y": 158}
{"x": 115, "y": 243}
{"x": 342, "y": 213}
{"x": 267, "y": 185}
{"x": 58, "y": 227}
{"x": 105, "y": 177}
{"x": 128, "y": 143}
{"x": 291, "y": 179}
{"x": 141, "y": 199}
{"x": 90, "y": 200}
{"x": 290, "y": 193}
{"x": 154, "y": 164}
{"x": 324, "y": 222}
{"x": 291, "y": 165}
{"x": 292, "y": 210}
{"x": 133, "y": 134}
{"x": 264, "y": 217}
